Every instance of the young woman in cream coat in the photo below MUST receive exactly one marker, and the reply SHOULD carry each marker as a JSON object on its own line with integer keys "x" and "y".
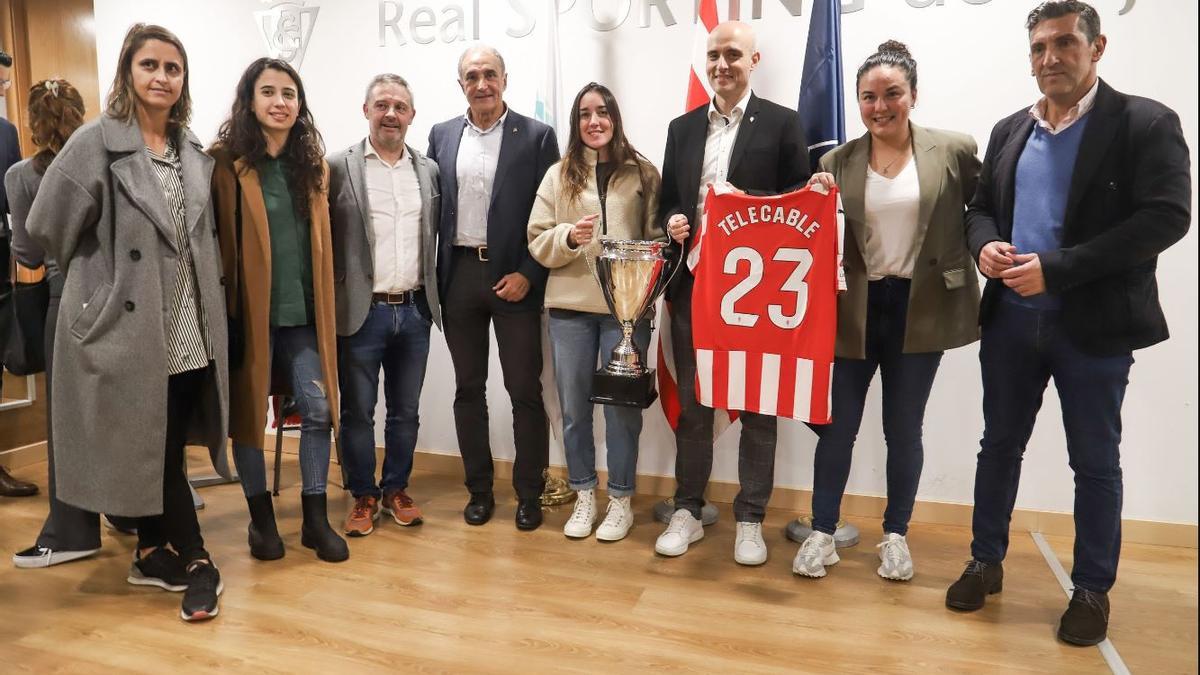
{"x": 603, "y": 188}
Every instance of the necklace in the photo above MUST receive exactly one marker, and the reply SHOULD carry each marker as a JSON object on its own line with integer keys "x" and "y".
{"x": 886, "y": 167}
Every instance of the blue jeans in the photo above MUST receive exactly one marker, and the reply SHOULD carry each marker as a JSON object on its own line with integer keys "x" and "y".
{"x": 576, "y": 339}
{"x": 1022, "y": 349}
{"x": 396, "y": 338}
{"x": 907, "y": 381}
{"x": 295, "y": 352}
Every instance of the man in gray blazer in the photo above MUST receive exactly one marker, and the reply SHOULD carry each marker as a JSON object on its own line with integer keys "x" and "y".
{"x": 383, "y": 211}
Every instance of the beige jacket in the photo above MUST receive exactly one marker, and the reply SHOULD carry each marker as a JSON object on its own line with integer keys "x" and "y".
{"x": 631, "y": 214}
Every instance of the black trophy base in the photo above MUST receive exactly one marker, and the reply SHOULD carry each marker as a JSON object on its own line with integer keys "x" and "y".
{"x": 632, "y": 392}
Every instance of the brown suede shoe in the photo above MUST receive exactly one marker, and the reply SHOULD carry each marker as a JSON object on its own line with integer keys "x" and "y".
{"x": 402, "y": 508}
{"x": 361, "y": 520}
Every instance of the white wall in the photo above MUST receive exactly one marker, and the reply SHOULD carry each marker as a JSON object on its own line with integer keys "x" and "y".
{"x": 973, "y": 71}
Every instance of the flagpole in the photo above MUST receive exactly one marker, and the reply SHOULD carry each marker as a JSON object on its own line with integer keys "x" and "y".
{"x": 698, "y": 94}
{"x": 822, "y": 106}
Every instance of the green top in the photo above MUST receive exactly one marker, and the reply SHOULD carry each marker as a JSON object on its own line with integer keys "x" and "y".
{"x": 291, "y": 249}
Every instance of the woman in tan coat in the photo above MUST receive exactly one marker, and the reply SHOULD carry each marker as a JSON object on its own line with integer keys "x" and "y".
{"x": 603, "y": 188}
{"x": 912, "y": 294}
{"x": 270, "y": 191}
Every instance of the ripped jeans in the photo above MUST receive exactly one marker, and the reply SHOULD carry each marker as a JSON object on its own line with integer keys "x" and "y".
{"x": 295, "y": 353}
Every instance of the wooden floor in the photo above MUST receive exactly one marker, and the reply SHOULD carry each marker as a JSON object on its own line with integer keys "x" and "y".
{"x": 446, "y": 597}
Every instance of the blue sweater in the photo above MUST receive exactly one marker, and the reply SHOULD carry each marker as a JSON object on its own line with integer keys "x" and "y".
{"x": 1040, "y": 204}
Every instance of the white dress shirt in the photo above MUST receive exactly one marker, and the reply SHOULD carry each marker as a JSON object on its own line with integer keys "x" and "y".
{"x": 1038, "y": 111}
{"x": 718, "y": 145}
{"x": 395, "y": 198}
{"x": 478, "y": 154}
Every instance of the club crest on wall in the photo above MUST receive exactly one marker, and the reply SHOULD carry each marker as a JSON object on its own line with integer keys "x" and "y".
{"x": 286, "y": 28}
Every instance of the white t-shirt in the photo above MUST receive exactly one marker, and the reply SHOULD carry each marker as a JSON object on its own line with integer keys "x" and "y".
{"x": 891, "y": 209}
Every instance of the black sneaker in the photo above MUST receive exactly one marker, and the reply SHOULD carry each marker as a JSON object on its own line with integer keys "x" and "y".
{"x": 1085, "y": 623}
{"x": 978, "y": 581}
{"x": 204, "y": 586}
{"x": 40, "y": 556}
{"x": 161, "y": 568}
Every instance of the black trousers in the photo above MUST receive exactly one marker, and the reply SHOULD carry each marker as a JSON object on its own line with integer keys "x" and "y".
{"x": 177, "y": 525}
{"x": 469, "y": 307}
{"x": 67, "y": 528}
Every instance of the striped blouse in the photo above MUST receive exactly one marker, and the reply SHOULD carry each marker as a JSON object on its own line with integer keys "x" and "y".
{"x": 187, "y": 333}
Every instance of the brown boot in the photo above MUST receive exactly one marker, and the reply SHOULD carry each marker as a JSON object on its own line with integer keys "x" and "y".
{"x": 11, "y": 487}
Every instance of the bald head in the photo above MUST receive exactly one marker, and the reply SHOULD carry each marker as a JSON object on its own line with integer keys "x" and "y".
{"x": 731, "y": 56}
{"x": 737, "y": 31}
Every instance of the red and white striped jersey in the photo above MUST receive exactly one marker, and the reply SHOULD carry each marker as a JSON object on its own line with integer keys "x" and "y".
{"x": 764, "y": 303}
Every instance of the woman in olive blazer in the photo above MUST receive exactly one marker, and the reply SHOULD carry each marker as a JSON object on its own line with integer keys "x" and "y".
{"x": 911, "y": 294}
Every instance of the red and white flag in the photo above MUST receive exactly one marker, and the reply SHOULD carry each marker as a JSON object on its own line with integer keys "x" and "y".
{"x": 707, "y": 18}
{"x": 698, "y": 94}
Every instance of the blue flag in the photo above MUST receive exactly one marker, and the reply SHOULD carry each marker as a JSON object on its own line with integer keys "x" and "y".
{"x": 821, "y": 96}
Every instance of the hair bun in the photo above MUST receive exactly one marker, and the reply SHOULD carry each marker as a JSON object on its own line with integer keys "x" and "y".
{"x": 895, "y": 47}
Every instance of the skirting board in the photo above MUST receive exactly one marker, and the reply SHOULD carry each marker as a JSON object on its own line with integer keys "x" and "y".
{"x": 15, "y": 458}
{"x": 790, "y": 499}
{"x": 853, "y": 506}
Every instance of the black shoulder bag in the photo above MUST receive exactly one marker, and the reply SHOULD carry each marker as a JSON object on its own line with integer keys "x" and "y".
{"x": 235, "y": 327}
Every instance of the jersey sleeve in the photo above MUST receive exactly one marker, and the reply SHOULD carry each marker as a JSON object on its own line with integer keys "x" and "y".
{"x": 841, "y": 240}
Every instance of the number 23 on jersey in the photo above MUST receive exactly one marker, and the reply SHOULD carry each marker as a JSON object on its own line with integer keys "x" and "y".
{"x": 764, "y": 304}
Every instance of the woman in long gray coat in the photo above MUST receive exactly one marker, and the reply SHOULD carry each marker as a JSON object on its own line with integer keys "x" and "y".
{"x": 140, "y": 355}
{"x": 55, "y": 112}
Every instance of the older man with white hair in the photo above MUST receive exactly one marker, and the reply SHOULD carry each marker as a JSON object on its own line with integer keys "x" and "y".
{"x": 492, "y": 161}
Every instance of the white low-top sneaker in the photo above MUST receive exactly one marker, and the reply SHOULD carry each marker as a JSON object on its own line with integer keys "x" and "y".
{"x": 617, "y": 520}
{"x": 582, "y": 519}
{"x": 749, "y": 547}
{"x": 683, "y": 529}
{"x": 815, "y": 553}
{"x": 895, "y": 560}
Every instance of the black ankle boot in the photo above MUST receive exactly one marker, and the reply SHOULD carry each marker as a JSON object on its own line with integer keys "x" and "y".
{"x": 265, "y": 543}
{"x": 316, "y": 532}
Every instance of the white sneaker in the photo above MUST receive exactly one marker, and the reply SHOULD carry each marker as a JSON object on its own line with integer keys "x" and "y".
{"x": 617, "y": 520}
{"x": 749, "y": 547}
{"x": 815, "y": 553}
{"x": 894, "y": 558}
{"x": 39, "y": 556}
{"x": 582, "y": 519}
{"x": 683, "y": 529}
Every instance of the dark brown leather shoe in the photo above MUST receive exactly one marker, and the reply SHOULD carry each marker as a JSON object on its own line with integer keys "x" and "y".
{"x": 1085, "y": 623}
{"x": 11, "y": 487}
{"x": 978, "y": 581}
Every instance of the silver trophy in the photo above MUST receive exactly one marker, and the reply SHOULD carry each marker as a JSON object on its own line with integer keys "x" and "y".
{"x": 632, "y": 275}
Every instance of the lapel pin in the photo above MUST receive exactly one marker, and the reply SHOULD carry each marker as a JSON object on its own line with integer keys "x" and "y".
{"x": 514, "y": 130}
{"x": 752, "y": 118}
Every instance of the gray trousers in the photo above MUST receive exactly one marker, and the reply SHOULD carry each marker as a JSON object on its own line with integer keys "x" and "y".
{"x": 694, "y": 436}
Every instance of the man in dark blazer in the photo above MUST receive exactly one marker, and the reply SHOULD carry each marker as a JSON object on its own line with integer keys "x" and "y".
{"x": 492, "y": 161}
{"x": 383, "y": 215}
{"x": 758, "y": 147}
{"x": 1077, "y": 197}
{"x": 10, "y": 153}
